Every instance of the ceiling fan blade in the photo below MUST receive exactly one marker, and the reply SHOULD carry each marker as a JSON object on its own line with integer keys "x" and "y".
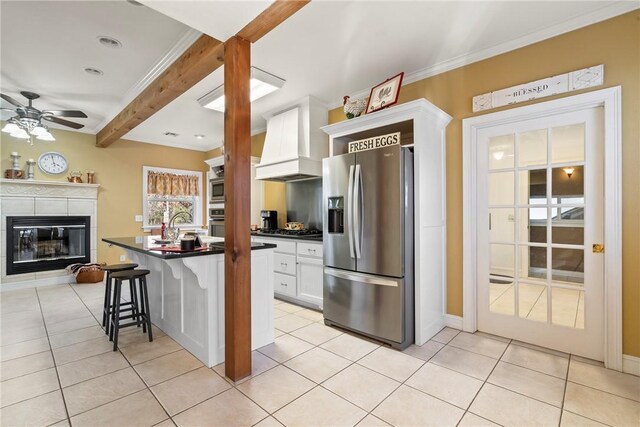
{"x": 63, "y": 122}
{"x": 8, "y": 109}
{"x": 66, "y": 113}
{"x": 10, "y": 100}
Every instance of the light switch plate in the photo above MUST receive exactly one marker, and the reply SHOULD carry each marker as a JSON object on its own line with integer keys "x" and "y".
{"x": 138, "y": 218}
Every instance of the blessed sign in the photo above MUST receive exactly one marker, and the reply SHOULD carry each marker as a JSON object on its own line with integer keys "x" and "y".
{"x": 374, "y": 142}
{"x": 575, "y": 80}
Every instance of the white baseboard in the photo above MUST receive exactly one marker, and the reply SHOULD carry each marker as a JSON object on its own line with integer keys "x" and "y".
{"x": 631, "y": 364}
{"x": 452, "y": 321}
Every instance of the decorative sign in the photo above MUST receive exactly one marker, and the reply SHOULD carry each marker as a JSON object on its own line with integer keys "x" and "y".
{"x": 374, "y": 142}
{"x": 575, "y": 80}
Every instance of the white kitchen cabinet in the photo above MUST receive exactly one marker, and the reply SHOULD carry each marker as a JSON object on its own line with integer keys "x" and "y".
{"x": 297, "y": 269}
{"x": 310, "y": 278}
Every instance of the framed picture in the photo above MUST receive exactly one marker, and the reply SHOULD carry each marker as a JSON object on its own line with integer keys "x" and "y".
{"x": 385, "y": 94}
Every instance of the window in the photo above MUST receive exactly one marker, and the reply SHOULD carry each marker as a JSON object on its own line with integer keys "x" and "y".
{"x": 172, "y": 191}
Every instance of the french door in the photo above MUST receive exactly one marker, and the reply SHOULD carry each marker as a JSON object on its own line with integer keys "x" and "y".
{"x": 540, "y": 231}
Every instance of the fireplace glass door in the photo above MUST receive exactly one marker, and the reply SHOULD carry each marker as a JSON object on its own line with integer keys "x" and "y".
{"x": 46, "y": 243}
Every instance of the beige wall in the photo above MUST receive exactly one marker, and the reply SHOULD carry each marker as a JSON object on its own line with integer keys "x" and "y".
{"x": 118, "y": 171}
{"x": 614, "y": 43}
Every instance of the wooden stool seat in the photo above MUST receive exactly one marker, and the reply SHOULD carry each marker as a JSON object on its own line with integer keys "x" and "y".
{"x": 106, "y": 306}
{"x": 140, "y": 313}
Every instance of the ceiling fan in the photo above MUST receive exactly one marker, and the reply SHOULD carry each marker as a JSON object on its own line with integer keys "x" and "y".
{"x": 27, "y": 121}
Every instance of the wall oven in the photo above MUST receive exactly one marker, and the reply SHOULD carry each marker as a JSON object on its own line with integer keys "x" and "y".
{"x": 216, "y": 190}
{"x": 216, "y": 222}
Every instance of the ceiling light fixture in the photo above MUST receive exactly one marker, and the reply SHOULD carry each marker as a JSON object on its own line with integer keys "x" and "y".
{"x": 199, "y": 136}
{"x": 109, "y": 42}
{"x": 261, "y": 84}
{"x": 93, "y": 71}
{"x": 173, "y": 134}
{"x": 26, "y": 128}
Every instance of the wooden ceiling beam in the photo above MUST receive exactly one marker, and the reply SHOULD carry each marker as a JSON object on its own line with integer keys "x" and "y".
{"x": 270, "y": 18}
{"x": 202, "y": 58}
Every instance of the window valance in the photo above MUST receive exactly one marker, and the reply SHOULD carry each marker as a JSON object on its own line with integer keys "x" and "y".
{"x": 170, "y": 184}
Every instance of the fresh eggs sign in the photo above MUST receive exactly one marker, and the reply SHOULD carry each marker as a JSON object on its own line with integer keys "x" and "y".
{"x": 374, "y": 142}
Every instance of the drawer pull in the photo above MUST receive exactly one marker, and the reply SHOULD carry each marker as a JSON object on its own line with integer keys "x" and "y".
{"x": 313, "y": 251}
{"x": 284, "y": 264}
{"x": 283, "y": 284}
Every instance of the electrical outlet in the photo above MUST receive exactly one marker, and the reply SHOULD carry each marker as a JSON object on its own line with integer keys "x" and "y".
{"x": 138, "y": 218}
{"x": 122, "y": 258}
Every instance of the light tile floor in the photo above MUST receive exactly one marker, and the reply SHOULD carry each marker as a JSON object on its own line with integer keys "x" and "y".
{"x": 58, "y": 369}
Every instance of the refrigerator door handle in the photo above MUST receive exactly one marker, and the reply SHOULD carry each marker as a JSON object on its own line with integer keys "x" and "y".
{"x": 357, "y": 209}
{"x": 359, "y": 277}
{"x": 350, "y": 211}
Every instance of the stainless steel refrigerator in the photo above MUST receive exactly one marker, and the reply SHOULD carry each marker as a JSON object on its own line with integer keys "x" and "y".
{"x": 368, "y": 243}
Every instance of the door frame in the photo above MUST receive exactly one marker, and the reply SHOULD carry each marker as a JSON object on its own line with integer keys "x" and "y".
{"x": 610, "y": 100}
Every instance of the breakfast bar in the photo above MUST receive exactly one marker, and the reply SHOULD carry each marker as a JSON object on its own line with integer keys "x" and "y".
{"x": 186, "y": 293}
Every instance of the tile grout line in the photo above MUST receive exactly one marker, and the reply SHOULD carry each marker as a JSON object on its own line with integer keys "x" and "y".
{"x": 55, "y": 365}
{"x": 483, "y": 384}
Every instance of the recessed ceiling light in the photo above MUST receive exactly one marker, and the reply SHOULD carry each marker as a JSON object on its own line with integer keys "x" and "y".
{"x": 199, "y": 136}
{"x": 93, "y": 71}
{"x": 109, "y": 42}
{"x": 170, "y": 134}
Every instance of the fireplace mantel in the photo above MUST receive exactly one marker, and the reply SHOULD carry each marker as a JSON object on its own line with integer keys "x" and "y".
{"x": 22, "y": 197}
{"x": 35, "y": 188}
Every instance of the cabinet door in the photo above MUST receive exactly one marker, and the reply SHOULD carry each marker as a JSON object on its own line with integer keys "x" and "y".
{"x": 310, "y": 280}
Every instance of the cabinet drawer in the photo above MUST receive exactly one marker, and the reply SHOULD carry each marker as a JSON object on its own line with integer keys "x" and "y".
{"x": 310, "y": 249}
{"x": 284, "y": 263}
{"x": 285, "y": 247}
{"x": 284, "y": 284}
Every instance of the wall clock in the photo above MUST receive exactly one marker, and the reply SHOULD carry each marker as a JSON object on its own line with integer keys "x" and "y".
{"x": 53, "y": 163}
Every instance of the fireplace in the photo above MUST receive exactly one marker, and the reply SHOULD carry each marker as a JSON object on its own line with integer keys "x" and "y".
{"x": 44, "y": 243}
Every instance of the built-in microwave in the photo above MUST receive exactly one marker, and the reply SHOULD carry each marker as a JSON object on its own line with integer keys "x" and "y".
{"x": 216, "y": 190}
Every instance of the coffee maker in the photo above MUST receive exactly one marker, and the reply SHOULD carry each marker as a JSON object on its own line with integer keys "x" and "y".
{"x": 269, "y": 219}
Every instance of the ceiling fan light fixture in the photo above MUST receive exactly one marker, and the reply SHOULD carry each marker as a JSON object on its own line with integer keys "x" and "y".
{"x": 10, "y": 128}
{"x": 38, "y": 130}
{"x": 46, "y": 136}
{"x": 20, "y": 134}
{"x": 261, "y": 84}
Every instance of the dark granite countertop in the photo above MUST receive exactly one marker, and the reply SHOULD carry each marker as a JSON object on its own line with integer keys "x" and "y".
{"x": 145, "y": 245}
{"x": 287, "y": 236}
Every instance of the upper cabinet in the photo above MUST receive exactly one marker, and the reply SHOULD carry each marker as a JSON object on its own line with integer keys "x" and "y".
{"x": 295, "y": 145}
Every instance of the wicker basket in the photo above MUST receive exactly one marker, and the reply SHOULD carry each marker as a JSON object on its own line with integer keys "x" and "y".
{"x": 90, "y": 275}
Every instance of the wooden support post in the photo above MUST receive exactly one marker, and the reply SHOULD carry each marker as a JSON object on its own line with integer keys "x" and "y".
{"x": 237, "y": 237}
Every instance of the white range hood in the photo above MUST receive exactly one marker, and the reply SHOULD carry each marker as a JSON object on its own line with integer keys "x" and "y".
{"x": 295, "y": 145}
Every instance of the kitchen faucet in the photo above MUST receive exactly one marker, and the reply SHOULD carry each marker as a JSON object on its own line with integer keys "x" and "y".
{"x": 171, "y": 228}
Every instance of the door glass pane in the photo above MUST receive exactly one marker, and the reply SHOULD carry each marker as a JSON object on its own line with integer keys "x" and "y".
{"x": 501, "y": 296}
{"x": 568, "y": 183}
{"x": 501, "y": 188}
{"x": 501, "y": 152}
{"x": 568, "y": 234}
{"x": 501, "y": 260}
{"x": 501, "y": 225}
{"x": 567, "y": 307}
{"x": 532, "y": 262}
{"x": 532, "y": 148}
{"x": 532, "y": 187}
{"x": 568, "y": 265}
{"x": 533, "y": 225}
{"x": 532, "y": 302}
{"x": 567, "y": 143}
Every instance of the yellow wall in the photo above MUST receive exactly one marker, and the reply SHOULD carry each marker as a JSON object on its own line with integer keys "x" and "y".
{"x": 614, "y": 43}
{"x": 118, "y": 171}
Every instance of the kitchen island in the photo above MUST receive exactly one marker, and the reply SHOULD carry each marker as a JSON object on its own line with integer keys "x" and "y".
{"x": 186, "y": 293}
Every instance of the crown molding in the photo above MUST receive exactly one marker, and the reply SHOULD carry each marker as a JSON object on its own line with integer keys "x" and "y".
{"x": 606, "y": 12}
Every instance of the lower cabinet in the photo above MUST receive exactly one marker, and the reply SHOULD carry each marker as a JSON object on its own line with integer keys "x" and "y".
{"x": 297, "y": 270}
